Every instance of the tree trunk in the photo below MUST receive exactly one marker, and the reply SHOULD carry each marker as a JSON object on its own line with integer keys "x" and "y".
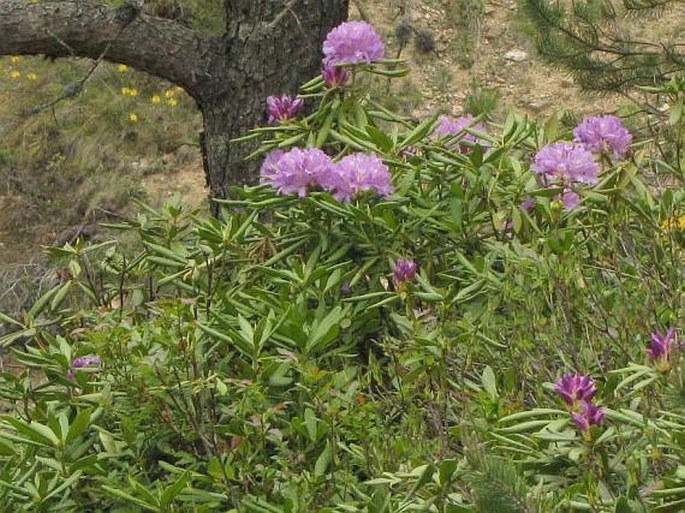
{"x": 269, "y": 47}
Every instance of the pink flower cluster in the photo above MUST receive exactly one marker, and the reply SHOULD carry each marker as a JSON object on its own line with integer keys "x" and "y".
{"x": 296, "y": 170}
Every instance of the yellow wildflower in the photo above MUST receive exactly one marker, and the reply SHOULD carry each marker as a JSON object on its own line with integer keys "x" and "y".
{"x": 178, "y": 89}
{"x": 172, "y": 102}
{"x": 169, "y": 93}
{"x": 125, "y": 90}
{"x": 32, "y": 76}
{"x": 156, "y": 99}
{"x": 133, "y": 91}
{"x": 122, "y": 68}
{"x": 674, "y": 223}
{"x": 14, "y": 59}
{"x": 133, "y": 117}
{"x": 15, "y": 74}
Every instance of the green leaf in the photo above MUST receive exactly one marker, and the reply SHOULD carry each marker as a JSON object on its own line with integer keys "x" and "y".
{"x": 39, "y": 433}
{"x": 426, "y": 476}
{"x": 78, "y": 426}
{"x": 380, "y": 138}
{"x": 130, "y": 498}
{"x": 171, "y": 492}
{"x": 310, "y": 422}
{"x": 6, "y": 319}
{"x": 623, "y": 506}
{"x": 326, "y": 330}
{"x": 65, "y": 484}
{"x": 418, "y": 134}
{"x": 489, "y": 382}
{"x": 323, "y": 461}
{"x": 7, "y": 340}
{"x": 42, "y": 302}
{"x": 671, "y": 507}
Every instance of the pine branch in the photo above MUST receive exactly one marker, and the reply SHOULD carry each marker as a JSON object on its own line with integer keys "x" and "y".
{"x": 590, "y": 41}
{"x": 496, "y": 486}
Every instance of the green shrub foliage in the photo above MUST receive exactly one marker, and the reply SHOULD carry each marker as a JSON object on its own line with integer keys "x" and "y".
{"x": 276, "y": 360}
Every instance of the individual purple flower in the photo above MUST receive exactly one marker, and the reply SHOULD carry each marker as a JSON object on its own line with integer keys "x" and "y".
{"x": 660, "y": 347}
{"x": 575, "y": 388}
{"x": 357, "y": 173}
{"x": 566, "y": 163}
{"x": 528, "y": 204}
{"x": 90, "y": 360}
{"x": 295, "y": 170}
{"x": 269, "y": 169}
{"x": 353, "y": 42}
{"x": 570, "y": 199}
{"x": 603, "y": 134}
{"x": 409, "y": 152}
{"x": 334, "y": 75}
{"x": 448, "y": 126}
{"x": 283, "y": 108}
{"x": 589, "y": 415}
{"x": 404, "y": 272}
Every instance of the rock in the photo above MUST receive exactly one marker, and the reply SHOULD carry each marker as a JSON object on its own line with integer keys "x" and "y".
{"x": 516, "y": 55}
{"x": 539, "y": 104}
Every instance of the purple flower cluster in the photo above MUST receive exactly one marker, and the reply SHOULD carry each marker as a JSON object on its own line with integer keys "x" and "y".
{"x": 578, "y": 391}
{"x": 355, "y": 174}
{"x": 603, "y": 134}
{"x": 353, "y": 42}
{"x": 589, "y": 415}
{"x": 575, "y": 388}
{"x": 528, "y": 204}
{"x": 90, "y": 360}
{"x": 283, "y": 108}
{"x": 566, "y": 164}
{"x": 295, "y": 170}
{"x": 404, "y": 272}
{"x": 298, "y": 169}
{"x": 660, "y": 347}
{"x": 448, "y": 126}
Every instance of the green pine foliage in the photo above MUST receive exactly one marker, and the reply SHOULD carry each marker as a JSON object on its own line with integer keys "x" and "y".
{"x": 603, "y": 43}
{"x": 497, "y": 486}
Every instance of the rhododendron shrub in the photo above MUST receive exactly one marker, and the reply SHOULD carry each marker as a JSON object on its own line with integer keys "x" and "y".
{"x": 443, "y": 314}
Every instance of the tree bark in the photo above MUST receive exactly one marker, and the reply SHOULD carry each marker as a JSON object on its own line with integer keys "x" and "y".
{"x": 269, "y": 47}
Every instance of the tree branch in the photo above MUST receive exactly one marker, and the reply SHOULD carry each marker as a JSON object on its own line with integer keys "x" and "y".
{"x": 121, "y": 34}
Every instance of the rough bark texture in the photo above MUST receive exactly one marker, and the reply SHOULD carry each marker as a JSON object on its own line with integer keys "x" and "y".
{"x": 269, "y": 47}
